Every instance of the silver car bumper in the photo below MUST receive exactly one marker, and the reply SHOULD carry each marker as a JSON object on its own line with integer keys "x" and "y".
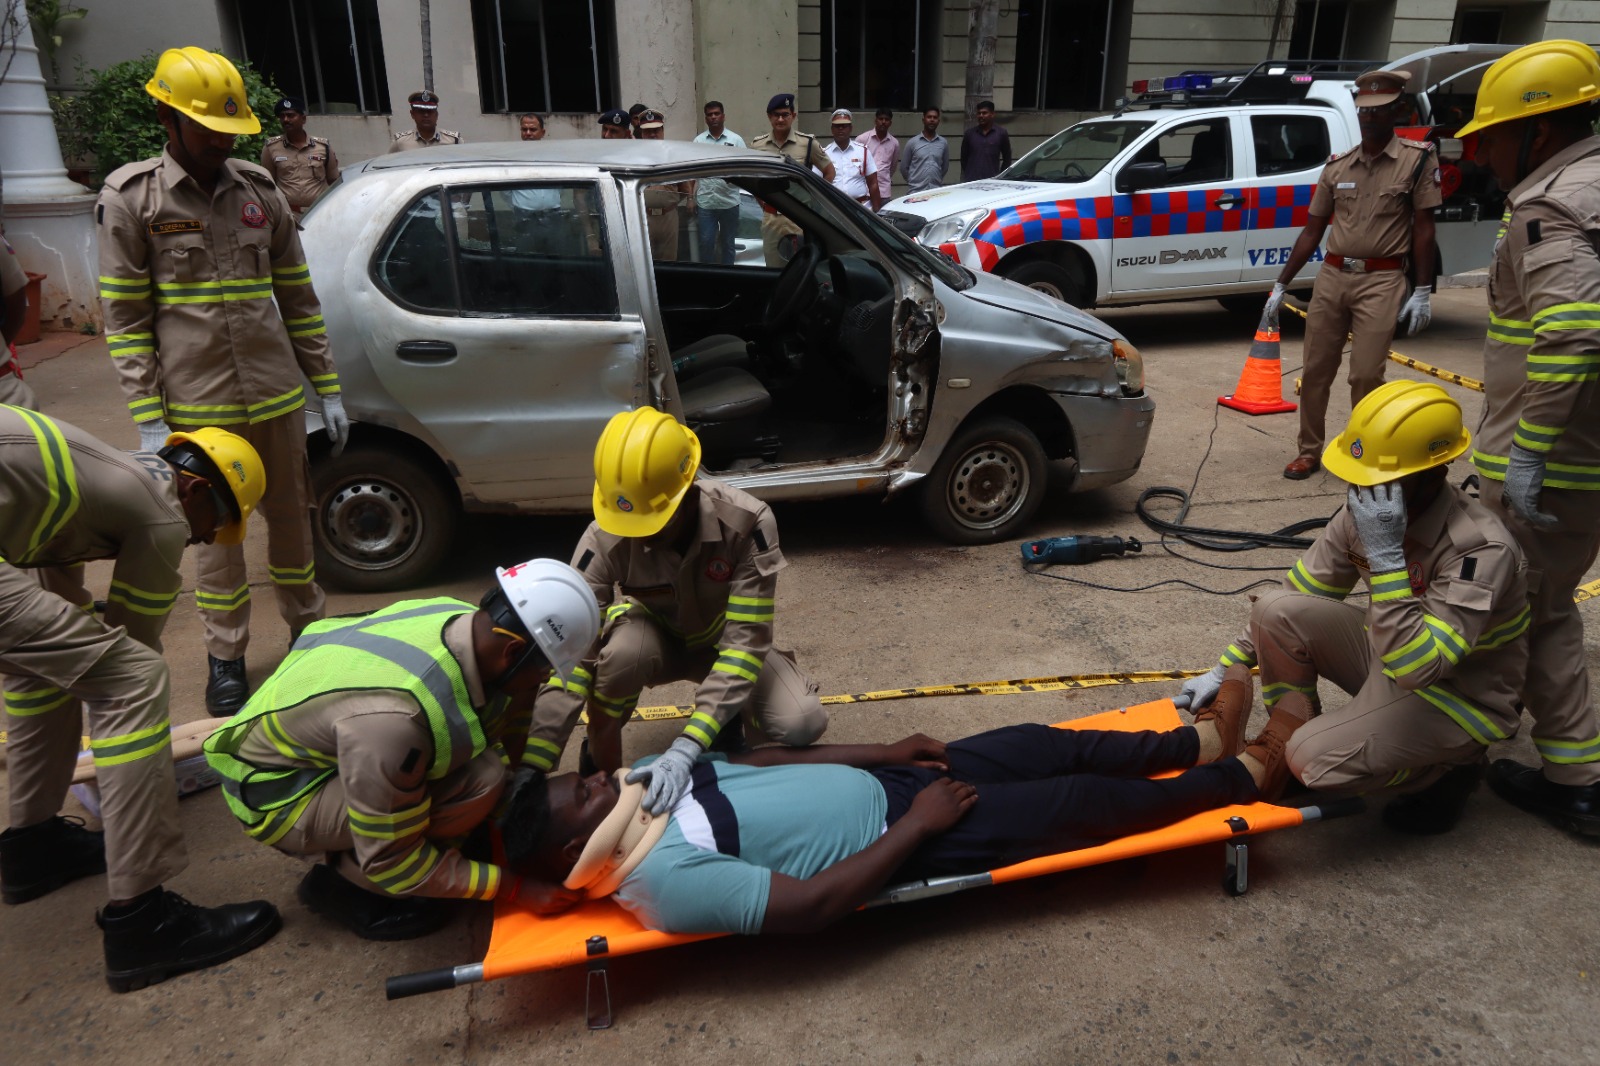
{"x": 1110, "y": 436}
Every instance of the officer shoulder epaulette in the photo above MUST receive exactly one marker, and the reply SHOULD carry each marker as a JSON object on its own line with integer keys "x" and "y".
{"x": 1340, "y": 155}
{"x": 253, "y": 169}
{"x": 403, "y": 134}
{"x": 320, "y": 140}
{"x": 273, "y": 140}
{"x": 450, "y": 133}
{"x": 119, "y": 177}
{"x": 1421, "y": 146}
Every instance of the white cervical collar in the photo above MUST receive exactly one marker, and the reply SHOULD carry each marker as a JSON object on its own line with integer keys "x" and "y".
{"x": 618, "y": 845}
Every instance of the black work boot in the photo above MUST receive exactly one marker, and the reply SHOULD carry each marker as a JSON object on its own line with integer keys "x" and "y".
{"x": 367, "y": 914}
{"x": 1437, "y": 808}
{"x": 160, "y": 935}
{"x": 228, "y": 688}
{"x": 43, "y": 857}
{"x": 1575, "y": 808}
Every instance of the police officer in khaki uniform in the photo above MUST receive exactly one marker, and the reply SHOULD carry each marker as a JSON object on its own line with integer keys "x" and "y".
{"x": 1540, "y": 433}
{"x": 661, "y": 202}
{"x": 1379, "y": 199}
{"x": 14, "y": 289}
{"x": 1433, "y": 665}
{"x": 800, "y": 148}
{"x": 303, "y": 166}
{"x": 425, "y": 113}
{"x": 686, "y": 571}
{"x": 66, "y": 497}
{"x": 347, "y": 753}
{"x": 211, "y": 320}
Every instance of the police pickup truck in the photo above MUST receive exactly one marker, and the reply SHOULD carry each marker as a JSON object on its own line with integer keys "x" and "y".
{"x": 1199, "y": 185}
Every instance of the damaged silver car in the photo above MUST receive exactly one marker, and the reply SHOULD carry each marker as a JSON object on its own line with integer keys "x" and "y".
{"x": 491, "y": 306}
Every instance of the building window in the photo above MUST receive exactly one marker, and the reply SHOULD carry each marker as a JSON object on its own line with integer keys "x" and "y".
{"x": 330, "y": 55}
{"x": 880, "y": 53}
{"x": 1478, "y": 26}
{"x": 545, "y": 55}
{"x": 1319, "y": 29}
{"x": 1061, "y": 55}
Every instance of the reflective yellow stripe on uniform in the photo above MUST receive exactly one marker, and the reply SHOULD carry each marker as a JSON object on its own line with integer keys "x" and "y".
{"x": 130, "y": 747}
{"x": 124, "y": 344}
{"x": 271, "y": 828}
{"x": 1271, "y": 694}
{"x": 738, "y": 662}
{"x": 34, "y": 701}
{"x": 541, "y": 754}
{"x": 61, "y": 481}
{"x": 411, "y": 821}
{"x": 142, "y": 601}
{"x": 709, "y": 633}
{"x": 580, "y": 685}
{"x": 222, "y": 601}
{"x": 213, "y": 292}
{"x": 272, "y": 729}
{"x": 1437, "y": 638}
{"x": 412, "y": 871}
{"x": 146, "y": 410}
{"x": 1571, "y": 476}
{"x": 283, "y": 575}
{"x": 215, "y": 414}
{"x": 1536, "y": 438}
{"x": 1559, "y": 317}
{"x": 1233, "y": 655}
{"x": 1394, "y": 585}
{"x": 1510, "y": 330}
{"x": 1564, "y": 369}
{"x": 292, "y": 400}
{"x": 749, "y": 609}
{"x": 1301, "y": 578}
{"x": 1490, "y": 466}
{"x": 1398, "y": 778}
{"x": 616, "y": 707}
{"x": 292, "y": 275}
{"x": 702, "y": 728}
{"x": 1473, "y": 719}
{"x": 124, "y": 288}
{"x": 1505, "y": 632}
{"x": 483, "y": 880}
{"x": 1567, "y": 752}
{"x": 310, "y": 326}
{"x": 325, "y": 384}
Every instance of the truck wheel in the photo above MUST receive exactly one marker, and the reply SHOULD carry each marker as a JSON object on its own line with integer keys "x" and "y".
{"x": 987, "y": 484}
{"x": 1050, "y": 279}
{"x": 383, "y": 521}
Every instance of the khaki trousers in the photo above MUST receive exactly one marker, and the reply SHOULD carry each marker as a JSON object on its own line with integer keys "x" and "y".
{"x": 1364, "y": 306}
{"x": 636, "y": 653}
{"x": 1385, "y": 737}
{"x": 460, "y": 801}
{"x": 222, "y": 589}
{"x": 53, "y": 655}
{"x": 1566, "y": 729}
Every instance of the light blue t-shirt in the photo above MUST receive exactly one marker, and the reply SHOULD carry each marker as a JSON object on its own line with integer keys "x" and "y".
{"x": 714, "y": 194}
{"x": 712, "y": 869}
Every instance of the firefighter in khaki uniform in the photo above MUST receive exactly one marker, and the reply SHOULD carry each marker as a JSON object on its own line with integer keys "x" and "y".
{"x": 382, "y": 741}
{"x": 1378, "y": 198}
{"x": 303, "y": 166}
{"x": 211, "y": 320}
{"x": 697, "y": 565}
{"x": 1540, "y": 433}
{"x": 1435, "y": 661}
{"x": 778, "y": 234}
{"x": 65, "y": 498}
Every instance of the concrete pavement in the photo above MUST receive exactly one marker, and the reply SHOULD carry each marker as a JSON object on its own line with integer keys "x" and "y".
{"x": 1353, "y": 944}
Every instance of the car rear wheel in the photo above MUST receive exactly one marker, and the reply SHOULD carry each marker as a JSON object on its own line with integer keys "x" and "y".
{"x": 987, "y": 484}
{"x": 1050, "y": 279}
{"x": 383, "y": 520}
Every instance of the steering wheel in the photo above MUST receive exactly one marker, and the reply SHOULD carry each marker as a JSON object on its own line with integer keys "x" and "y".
{"x": 796, "y": 287}
{"x": 1068, "y": 168}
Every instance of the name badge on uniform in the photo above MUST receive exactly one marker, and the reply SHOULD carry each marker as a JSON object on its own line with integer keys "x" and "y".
{"x": 182, "y": 225}
{"x": 1345, "y": 185}
{"x": 280, "y": 159}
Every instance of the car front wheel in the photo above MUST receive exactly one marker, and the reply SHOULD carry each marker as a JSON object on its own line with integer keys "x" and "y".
{"x": 987, "y": 484}
{"x": 383, "y": 520}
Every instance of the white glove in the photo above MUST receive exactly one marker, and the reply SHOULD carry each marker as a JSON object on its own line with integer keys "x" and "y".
{"x": 1269, "y": 313}
{"x": 1380, "y": 516}
{"x": 1418, "y": 311}
{"x": 1199, "y": 691}
{"x": 336, "y": 421}
{"x": 668, "y": 775}
{"x": 153, "y": 435}
{"x": 1524, "y": 480}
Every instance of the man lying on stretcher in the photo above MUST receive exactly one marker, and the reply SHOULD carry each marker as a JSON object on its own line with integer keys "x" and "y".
{"x": 786, "y": 840}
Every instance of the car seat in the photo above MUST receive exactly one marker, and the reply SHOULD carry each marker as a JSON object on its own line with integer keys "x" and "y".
{"x": 1208, "y": 159}
{"x": 710, "y": 353}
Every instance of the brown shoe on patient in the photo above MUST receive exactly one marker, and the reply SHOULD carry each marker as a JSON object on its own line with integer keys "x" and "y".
{"x": 1268, "y": 749}
{"x": 1229, "y": 711}
{"x": 1302, "y": 467}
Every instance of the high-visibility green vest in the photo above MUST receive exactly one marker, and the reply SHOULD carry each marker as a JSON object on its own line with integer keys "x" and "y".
{"x": 400, "y": 648}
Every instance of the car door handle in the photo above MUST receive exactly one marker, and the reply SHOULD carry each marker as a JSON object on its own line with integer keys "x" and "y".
{"x": 425, "y": 352}
{"x": 1229, "y": 201}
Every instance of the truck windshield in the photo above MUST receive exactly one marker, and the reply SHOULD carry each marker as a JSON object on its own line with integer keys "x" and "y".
{"x": 1077, "y": 153}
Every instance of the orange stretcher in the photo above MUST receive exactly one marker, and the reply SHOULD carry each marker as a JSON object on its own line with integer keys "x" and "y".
{"x": 601, "y": 930}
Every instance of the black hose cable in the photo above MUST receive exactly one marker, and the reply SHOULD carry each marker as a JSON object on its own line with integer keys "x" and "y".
{"x": 1220, "y": 540}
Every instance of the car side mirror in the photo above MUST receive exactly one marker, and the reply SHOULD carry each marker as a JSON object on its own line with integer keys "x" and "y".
{"x": 1136, "y": 176}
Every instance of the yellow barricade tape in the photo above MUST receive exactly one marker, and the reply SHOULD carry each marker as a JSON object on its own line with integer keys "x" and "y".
{"x": 1416, "y": 364}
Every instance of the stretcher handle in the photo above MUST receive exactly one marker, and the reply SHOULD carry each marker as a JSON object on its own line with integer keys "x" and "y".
{"x": 1335, "y": 808}
{"x": 415, "y": 984}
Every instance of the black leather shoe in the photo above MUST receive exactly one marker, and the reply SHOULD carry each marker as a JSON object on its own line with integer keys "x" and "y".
{"x": 43, "y": 857}
{"x": 1437, "y": 808}
{"x": 228, "y": 688}
{"x": 1575, "y": 808}
{"x": 367, "y": 914}
{"x": 161, "y": 934}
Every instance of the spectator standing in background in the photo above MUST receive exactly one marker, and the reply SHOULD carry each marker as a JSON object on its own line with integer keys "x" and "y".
{"x": 854, "y": 173}
{"x": 715, "y": 201}
{"x": 927, "y": 157}
{"x": 985, "y": 148}
{"x": 884, "y": 148}
{"x": 532, "y": 127}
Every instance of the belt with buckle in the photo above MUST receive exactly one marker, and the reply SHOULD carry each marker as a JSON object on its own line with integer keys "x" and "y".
{"x": 1363, "y": 266}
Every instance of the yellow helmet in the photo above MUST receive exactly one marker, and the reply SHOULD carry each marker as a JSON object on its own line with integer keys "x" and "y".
{"x": 206, "y": 86}
{"x": 1534, "y": 79}
{"x": 243, "y": 479}
{"x": 643, "y": 465}
{"x": 1397, "y": 429}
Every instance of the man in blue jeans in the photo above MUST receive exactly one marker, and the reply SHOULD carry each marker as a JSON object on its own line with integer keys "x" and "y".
{"x": 785, "y": 840}
{"x": 716, "y": 203}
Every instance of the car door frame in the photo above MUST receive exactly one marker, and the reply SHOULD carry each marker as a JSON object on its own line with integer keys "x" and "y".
{"x": 1280, "y": 209}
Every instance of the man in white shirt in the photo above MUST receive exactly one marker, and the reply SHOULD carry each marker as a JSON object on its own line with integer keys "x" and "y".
{"x": 715, "y": 202}
{"x": 854, "y": 172}
{"x": 884, "y": 148}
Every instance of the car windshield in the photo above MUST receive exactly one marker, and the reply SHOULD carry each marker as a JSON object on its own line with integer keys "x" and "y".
{"x": 1078, "y": 153}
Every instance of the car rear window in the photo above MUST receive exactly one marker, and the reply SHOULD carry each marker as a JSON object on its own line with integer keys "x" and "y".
{"x": 1287, "y": 143}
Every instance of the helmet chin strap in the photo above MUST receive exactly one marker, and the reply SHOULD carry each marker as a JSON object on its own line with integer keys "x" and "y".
{"x": 1529, "y": 130}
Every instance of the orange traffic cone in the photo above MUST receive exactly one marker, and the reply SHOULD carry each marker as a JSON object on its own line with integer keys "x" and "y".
{"x": 1260, "y": 388}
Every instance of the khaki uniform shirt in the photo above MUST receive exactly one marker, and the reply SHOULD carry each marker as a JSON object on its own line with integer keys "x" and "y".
{"x": 1373, "y": 202}
{"x": 802, "y": 148}
{"x": 1449, "y": 627}
{"x": 410, "y": 140}
{"x": 92, "y": 502}
{"x": 382, "y": 745}
{"x": 718, "y": 594}
{"x": 210, "y": 314}
{"x": 1541, "y": 361}
{"x": 304, "y": 172}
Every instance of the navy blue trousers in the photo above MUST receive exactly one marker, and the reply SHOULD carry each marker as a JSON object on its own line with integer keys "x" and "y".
{"x": 1043, "y": 791}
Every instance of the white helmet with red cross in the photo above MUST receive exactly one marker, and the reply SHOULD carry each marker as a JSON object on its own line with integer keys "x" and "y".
{"x": 556, "y": 607}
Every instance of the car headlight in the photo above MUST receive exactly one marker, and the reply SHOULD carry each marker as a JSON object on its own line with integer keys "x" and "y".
{"x": 1129, "y": 365}
{"x": 956, "y": 227}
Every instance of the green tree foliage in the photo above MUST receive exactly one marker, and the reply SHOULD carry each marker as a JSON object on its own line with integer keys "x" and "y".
{"x": 113, "y": 120}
